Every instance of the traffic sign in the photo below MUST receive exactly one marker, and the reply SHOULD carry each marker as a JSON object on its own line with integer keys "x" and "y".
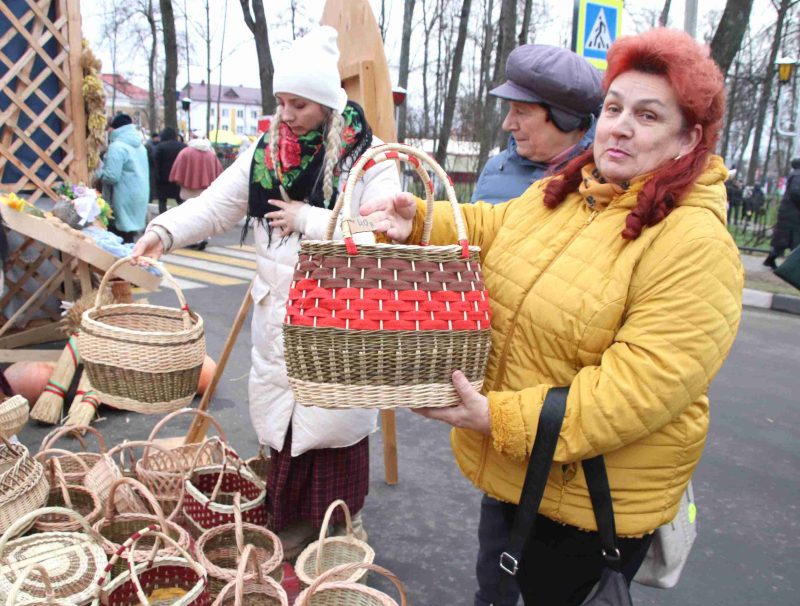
{"x": 596, "y": 24}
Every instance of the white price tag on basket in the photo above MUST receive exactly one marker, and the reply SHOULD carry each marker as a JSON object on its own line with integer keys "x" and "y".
{"x": 357, "y": 226}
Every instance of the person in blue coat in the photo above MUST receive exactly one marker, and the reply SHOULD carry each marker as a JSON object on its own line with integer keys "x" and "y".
{"x": 552, "y": 94}
{"x": 126, "y": 172}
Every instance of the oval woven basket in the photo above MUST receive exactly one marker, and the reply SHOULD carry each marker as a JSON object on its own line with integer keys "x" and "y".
{"x": 385, "y": 325}
{"x": 74, "y": 468}
{"x": 72, "y": 496}
{"x": 330, "y": 552}
{"x": 163, "y": 472}
{"x": 23, "y": 484}
{"x": 253, "y": 589}
{"x": 13, "y": 415}
{"x": 48, "y": 599}
{"x": 143, "y": 358}
{"x": 74, "y": 560}
{"x": 221, "y": 550}
{"x": 326, "y": 590}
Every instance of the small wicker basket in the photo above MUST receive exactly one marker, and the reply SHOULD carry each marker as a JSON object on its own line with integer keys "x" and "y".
{"x": 48, "y": 599}
{"x": 326, "y": 590}
{"x": 221, "y": 550}
{"x": 23, "y": 484}
{"x": 330, "y": 552}
{"x": 163, "y": 472}
{"x": 72, "y": 496}
{"x": 143, "y": 358}
{"x": 385, "y": 325}
{"x": 75, "y": 468}
{"x": 13, "y": 415}
{"x": 254, "y": 589}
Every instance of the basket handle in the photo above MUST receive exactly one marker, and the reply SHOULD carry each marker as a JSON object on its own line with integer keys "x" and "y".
{"x": 415, "y": 157}
{"x": 238, "y": 528}
{"x": 185, "y": 411}
{"x": 43, "y": 575}
{"x": 111, "y": 510}
{"x": 249, "y": 559}
{"x": 323, "y": 531}
{"x": 343, "y": 569}
{"x": 42, "y": 455}
{"x": 23, "y": 523}
{"x": 187, "y": 320}
{"x": 57, "y": 479}
{"x": 78, "y": 431}
{"x": 19, "y": 450}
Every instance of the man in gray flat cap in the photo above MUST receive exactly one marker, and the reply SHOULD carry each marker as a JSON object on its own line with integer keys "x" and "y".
{"x": 552, "y": 94}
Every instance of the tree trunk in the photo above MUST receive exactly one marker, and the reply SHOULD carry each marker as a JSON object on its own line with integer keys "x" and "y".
{"x": 526, "y": 23}
{"x": 662, "y": 20}
{"x": 730, "y": 31}
{"x": 171, "y": 63}
{"x": 452, "y": 89}
{"x": 257, "y": 23}
{"x": 766, "y": 91}
{"x": 405, "y": 51}
{"x": 152, "y": 59}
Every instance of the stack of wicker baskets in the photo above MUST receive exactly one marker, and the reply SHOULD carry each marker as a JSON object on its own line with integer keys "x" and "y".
{"x": 23, "y": 484}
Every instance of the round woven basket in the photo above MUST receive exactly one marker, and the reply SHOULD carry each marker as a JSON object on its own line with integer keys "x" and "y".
{"x": 253, "y": 589}
{"x": 143, "y": 358}
{"x": 329, "y": 552}
{"x": 132, "y": 587}
{"x": 49, "y": 598}
{"x": 23, "y": 484}
{"x": 220, "y": 550}
{"x": 13, "y": 415}
{"x": 385, "y": 325}
{"x": 75, "y": 469}
{"x": 71, "y": 496}
{"x": 326, "y": 590}
{"x": 116, "y": 528}
{"x": 163, "y": 472}
{"x": 74, "y": 560}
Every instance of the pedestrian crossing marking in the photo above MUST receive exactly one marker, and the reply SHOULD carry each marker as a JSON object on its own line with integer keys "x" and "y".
{"x": 247, "y": 247}
{"x": 202, "y": 276}
{"x": 206, "y": 256}
{"x": 240, "y": 254}
{"x": 209, "y": 266}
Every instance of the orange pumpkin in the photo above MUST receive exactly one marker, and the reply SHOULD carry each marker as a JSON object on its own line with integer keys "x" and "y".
{"x": 28, "y": 379}
{"x": 209, "y": 366}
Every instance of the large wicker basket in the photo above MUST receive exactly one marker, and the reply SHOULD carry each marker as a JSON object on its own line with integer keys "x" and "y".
{"x": 329, "y": 590}
{"x": 13, "y": 415}
{"x": 23, "y": 484}
{"x": 144, "y": 358}
{"x": 385, "y": 325}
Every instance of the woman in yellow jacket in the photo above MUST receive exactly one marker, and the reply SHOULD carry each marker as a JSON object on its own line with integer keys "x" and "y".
{"x": 618, "y": 278}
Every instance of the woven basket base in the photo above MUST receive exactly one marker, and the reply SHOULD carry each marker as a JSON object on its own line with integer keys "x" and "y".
{"x": 123, "y": 403}
{"x": 332, "y": 395}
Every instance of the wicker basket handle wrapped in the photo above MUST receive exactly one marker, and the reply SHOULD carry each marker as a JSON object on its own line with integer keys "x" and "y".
{"x": 26, "y": 522}
{"x": 78, "y": 431}
{"x": 327, "y": 580}
{"x": 49, "y": 599}
{"x": 323, "y": 531}
{"x": 185, "y": 411}
{"x": 249, "y": 570}
{"x": 228, "y": 454}
{"x": 111, "y": 510}
{"x": 415, "y": 157}
{"x": 52, "y": 453}
{"x": 57, "y": 479}
{"x": 187, "y": 319}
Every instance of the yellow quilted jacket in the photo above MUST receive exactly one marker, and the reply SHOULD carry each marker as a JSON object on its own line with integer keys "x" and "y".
{"x": 637, "y": 329}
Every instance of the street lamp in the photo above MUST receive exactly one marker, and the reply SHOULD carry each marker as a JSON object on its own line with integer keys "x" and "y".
{"x": 785, "y": 71}
{"x": 186, "y": 104}
{"x": 785, "y": 68}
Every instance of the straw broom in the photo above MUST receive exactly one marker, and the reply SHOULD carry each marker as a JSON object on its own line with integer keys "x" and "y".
{"x": 49, "y": 406}
{"x": 85, "y": 404}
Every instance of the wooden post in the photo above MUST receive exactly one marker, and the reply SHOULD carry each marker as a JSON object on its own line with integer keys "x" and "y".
{"x": 78, "y": 168}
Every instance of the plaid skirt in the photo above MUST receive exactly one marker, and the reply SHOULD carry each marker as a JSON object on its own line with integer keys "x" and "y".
{"x": 302, "y": 488}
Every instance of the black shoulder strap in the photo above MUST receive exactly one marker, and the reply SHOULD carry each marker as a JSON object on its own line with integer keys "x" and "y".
{"x": 600, "y": 493}
{"x": 544, "y": 447}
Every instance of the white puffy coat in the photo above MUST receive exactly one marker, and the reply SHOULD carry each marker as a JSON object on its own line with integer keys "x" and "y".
{"x": 272, "y": 405}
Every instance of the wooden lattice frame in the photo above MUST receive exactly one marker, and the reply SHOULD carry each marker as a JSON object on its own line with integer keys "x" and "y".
{"x": 21, "y": 85}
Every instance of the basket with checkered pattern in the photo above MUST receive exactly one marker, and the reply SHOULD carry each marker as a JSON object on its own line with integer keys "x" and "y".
{"x": 385, "y": 325}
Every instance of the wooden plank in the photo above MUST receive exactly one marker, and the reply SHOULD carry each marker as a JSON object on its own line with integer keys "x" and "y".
{"x": 85, "y": 276}
{"x": 389, "y": 431}
{"x": 79, "y": 170}
{"x": 51, "y": 331}
{"x": 29, "y": 355}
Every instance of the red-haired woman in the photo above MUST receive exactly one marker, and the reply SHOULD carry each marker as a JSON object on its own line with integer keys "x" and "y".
{"x": 618, "y": 278}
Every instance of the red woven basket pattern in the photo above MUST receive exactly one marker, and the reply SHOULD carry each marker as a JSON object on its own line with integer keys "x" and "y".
{"x": 232, "y": 482}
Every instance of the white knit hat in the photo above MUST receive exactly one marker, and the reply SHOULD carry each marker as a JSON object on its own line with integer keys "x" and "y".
{"x": 309, "y": 69}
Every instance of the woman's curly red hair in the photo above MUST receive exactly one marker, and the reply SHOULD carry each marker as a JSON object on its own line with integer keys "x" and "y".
{"x": 700, "y": 89}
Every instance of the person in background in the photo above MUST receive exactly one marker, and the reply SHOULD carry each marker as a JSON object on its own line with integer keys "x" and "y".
{"x": 166, "y": 151}
{"x": 552, "y": 93}
{"x": 151, "y": 145}
{"x": 733, "y": 188}
{"x": 786, "y": 233}
{"x": 194, "y": 170}
{"x": 126, "y": 174}
{"x": 286, "y": 186}
{"x": 617, "y": 278}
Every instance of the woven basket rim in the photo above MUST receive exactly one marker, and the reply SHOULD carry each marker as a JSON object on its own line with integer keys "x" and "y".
{"x": 311, "y": 551}
{"x": 12, "y": 404}
{"x": 205, "y": 500}
{"x": 197, "y": 323}
{"x": 389, "y": 246}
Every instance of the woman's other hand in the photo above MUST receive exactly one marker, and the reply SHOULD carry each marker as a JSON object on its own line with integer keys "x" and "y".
{"x": 285, "y": 219}
{"x": 394, "y": 215}
{"x": 472, "y": 413}
{"x": 149, "y": 245}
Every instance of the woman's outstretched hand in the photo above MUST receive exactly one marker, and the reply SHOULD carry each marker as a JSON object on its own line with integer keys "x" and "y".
{"x": 149, "y": 245}
{"x": 472, "y": 413}
{"x": 285, "y": 219}
{"x": 393, "y": 216}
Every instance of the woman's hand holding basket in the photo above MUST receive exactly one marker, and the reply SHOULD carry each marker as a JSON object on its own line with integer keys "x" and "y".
{"x": 149, "y": 245}
{"x": 472, "y": 413}
{"x": 393, "y": 215}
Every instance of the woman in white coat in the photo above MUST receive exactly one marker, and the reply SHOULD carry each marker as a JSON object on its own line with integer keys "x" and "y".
{"x": 318, "y": 455}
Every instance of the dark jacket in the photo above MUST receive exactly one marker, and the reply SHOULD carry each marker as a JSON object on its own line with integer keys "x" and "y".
{"x": 787, "y": 229}
{"x": 166, "y": 151}
{"x": 508, "y": 174}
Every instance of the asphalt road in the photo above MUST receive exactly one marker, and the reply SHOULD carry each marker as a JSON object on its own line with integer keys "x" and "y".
{"x": 424, "y": 528}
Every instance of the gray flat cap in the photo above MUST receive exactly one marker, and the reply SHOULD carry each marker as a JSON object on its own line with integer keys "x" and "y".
{"x": 556, "y": 77}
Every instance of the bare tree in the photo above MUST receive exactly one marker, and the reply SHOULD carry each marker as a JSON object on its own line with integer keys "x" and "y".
{"x": 405, "y": 49}
{"x": 452, "y": 89}
{"x": 730, "y": 31}
{"x": 115, "y": 15}
{"x": 526, "y": 22}
{"x": 257, "y": 23}
{"x": 171, "y": 60}
{"x": 664, "y": 18}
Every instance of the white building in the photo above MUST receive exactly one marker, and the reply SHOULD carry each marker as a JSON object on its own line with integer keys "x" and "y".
{"x": 239, "y": 107}
{"x": 129, "y": 99}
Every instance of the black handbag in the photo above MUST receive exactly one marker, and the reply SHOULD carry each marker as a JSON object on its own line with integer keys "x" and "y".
{"x": 612, "y": 588}
{"x": 789, "y": 270}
